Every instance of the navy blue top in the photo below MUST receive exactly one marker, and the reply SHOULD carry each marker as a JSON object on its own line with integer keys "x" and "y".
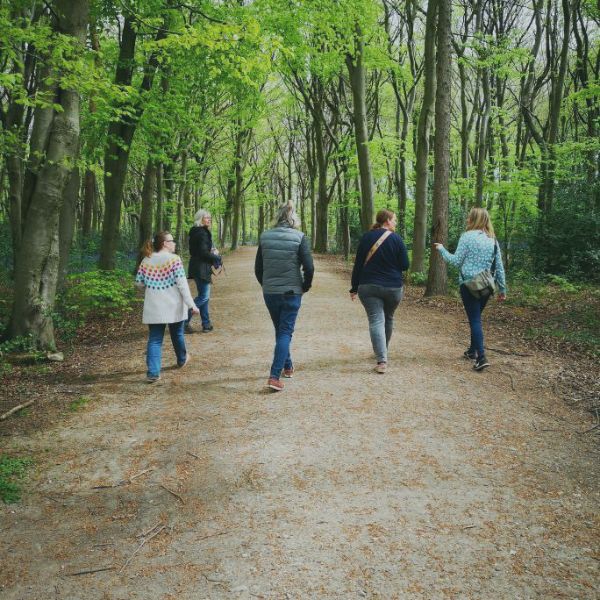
{"x": 386, "y": 265}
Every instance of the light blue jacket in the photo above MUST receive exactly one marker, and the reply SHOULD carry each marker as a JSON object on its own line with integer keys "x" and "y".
{"x": 475, "y": 253}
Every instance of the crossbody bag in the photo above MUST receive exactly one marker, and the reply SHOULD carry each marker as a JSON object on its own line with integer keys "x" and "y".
{"x": 483, "y": 284}
{"x": 376, "y": 245}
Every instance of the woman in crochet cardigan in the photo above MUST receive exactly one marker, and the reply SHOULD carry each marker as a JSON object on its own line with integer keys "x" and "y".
{"x": 166, "y": 301}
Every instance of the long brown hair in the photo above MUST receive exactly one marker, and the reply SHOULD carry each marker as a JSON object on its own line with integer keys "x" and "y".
{"x": 154, "y": 244}
{"x": 381, "y": 217}
{"x": 479, "y": 218}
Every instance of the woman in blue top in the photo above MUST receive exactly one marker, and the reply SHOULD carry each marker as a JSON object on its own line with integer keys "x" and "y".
{"x": 475, "y": 253}
{"x": 377, "y": 280}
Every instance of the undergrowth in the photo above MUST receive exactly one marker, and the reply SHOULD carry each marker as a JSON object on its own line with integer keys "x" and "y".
{"x": 12, "y": 469}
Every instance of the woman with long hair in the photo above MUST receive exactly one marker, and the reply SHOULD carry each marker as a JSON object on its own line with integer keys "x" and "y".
{"x": 166, "y": 301}
{"x": 377, "y": 280}
{"x": 477, "y": 251}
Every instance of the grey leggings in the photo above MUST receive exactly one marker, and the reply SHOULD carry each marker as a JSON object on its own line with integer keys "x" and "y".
{"x": 380, "y": 303}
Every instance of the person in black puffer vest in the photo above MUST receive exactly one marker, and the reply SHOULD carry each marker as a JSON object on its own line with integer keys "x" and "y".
{"x": 203, "y": 256}
{"x": 281, "y": 252}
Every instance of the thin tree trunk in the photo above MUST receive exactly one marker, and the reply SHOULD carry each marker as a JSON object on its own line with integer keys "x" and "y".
{"x": 147, "y": 201}
{"x": 423, "y": 127}
{"x": 356, "y": 70}
{"x": 437, "y": 280}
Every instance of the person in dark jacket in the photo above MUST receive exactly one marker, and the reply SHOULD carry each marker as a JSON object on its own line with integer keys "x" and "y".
{"x": 377, "y": 280}
{"x": 282, "y": 251}
{"x": 203, "y": 256}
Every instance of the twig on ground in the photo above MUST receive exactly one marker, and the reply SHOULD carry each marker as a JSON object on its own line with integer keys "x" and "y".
{"x": 210, "y": 535}
{"x": 174, "y": 493}
{"x": 139, "y": 475}
{"x": 141, "y": 546}
{"x": 512, "y": 381}
{"x": 16, "y": 409}
{"x": 192, "y": 454}
{"x": 87, "y": 571}
{"x": 149, "y": 531}
{"x": 506, "y": 352}
{"x": 590, "y": 429}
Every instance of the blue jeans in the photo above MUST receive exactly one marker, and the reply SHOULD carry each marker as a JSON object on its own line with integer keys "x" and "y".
{"x": 474, "y": 307}
{"x": 380, "y": 304}
{"x": 155, "y": 340}
{"x": 201, "y": 301}
{"x": 283, "y": 309}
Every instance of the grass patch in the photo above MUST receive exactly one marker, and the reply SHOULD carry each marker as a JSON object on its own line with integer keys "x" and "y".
{"x": 12, "y": 469}
{"x": 79, "y": 403}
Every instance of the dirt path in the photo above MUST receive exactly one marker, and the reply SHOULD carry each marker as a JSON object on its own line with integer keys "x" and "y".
{"x": 429, "y": 482}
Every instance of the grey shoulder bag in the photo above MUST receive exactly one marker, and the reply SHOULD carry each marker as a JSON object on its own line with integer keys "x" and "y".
{"x": 484, "y": 283}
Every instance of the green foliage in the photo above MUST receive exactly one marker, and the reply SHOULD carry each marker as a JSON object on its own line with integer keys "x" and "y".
{"x": 11, "y": 470}
{"x": 106, "y": 293}
{"x": 80, "y": 402}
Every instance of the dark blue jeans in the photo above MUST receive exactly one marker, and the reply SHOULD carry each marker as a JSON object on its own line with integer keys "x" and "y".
{"x": 474, "y": 307}
{"x": 283, "y": 309}
{"x": 201, "y": 301}
{"x": 156, "y": 334}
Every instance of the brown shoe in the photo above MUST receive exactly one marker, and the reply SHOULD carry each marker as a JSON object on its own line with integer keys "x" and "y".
{"x": 288, "y": 373}
{"x": 381, "y": 368}
{"x": 275, "y": 384}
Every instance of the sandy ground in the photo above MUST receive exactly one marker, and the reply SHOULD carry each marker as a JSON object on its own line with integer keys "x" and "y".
{"x": 431, "y": 481}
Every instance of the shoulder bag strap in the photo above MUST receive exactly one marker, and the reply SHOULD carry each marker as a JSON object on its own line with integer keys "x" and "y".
{"x": 376, "y": 245}
{"x": 494, "y": 258}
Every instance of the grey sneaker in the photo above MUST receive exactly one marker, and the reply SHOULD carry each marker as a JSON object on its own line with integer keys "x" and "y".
{"x": 152, "y": 378}
{"x": 470, "y": 354}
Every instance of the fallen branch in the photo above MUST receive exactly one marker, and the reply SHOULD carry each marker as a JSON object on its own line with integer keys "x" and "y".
{"x": 512, "y": 381}
{"x": 146, "y": 533}
{"x": 16, "y": 409}
{"x": 140, "y": 547}
{"x": 210, "y": 535}
{"x": 174, "y": 493}
{"x": 590, "y": 429}
{"x": 192, "y": 454}
{"x": 87, "y": 571}
{"x": 506, "y": 352}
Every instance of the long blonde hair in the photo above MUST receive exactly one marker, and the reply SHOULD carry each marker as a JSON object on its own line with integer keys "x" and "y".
{"x": 479, "y": 218}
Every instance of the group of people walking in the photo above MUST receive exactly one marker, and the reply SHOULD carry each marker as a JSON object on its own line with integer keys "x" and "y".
{"x": 284, "y": 268}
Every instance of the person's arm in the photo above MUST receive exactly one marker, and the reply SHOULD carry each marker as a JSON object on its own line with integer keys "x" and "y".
{"x": 258, "y": 265}
{"x": 308, "y": 269}
{"x": 205, "y": 249}
{"x": 182, "y": 284}
{"x": 403, "y": 260}
{"x": 140, "y": 279}
{"x": 500, "y": 275}
{"x": 459, "y": 256}
{"x": 359, "y": 262}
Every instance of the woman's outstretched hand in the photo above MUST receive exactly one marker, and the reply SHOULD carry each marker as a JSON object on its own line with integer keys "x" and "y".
{"x": 195, "y": 310}
{"x": 438, "y": 246}
{"x": 353, "y": 296}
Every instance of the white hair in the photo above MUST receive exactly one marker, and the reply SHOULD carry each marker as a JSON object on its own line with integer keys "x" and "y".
{"x": 199, "y": 216}
{"x": 287, "y": 215}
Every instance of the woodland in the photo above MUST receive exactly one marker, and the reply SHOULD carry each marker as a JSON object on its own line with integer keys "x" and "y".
{"x": 120, "y": 118}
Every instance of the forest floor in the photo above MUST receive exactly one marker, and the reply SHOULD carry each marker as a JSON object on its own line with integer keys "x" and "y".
{"x": 431, "y": 481}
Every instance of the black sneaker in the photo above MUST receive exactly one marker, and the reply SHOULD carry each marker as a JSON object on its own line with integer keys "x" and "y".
{"x": 207, "y": 328}
{"x": 470, "y": 354}
{"x": 481, "y": 363}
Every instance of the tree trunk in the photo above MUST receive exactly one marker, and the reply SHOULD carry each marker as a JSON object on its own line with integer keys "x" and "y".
{"x": 437, "y": 280}
{"x": 37, "y": 261}
{"x": 356, "y": 70}
{"x": 423, "y": 127}
{"x": 67, "y": 223}
{"x": 147, "y": 201}
{"x": 322, "y": 203}
{"x": 181, "y": 200}
{"x": 120, "y": 137}
{"x": 159, "y": 198}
